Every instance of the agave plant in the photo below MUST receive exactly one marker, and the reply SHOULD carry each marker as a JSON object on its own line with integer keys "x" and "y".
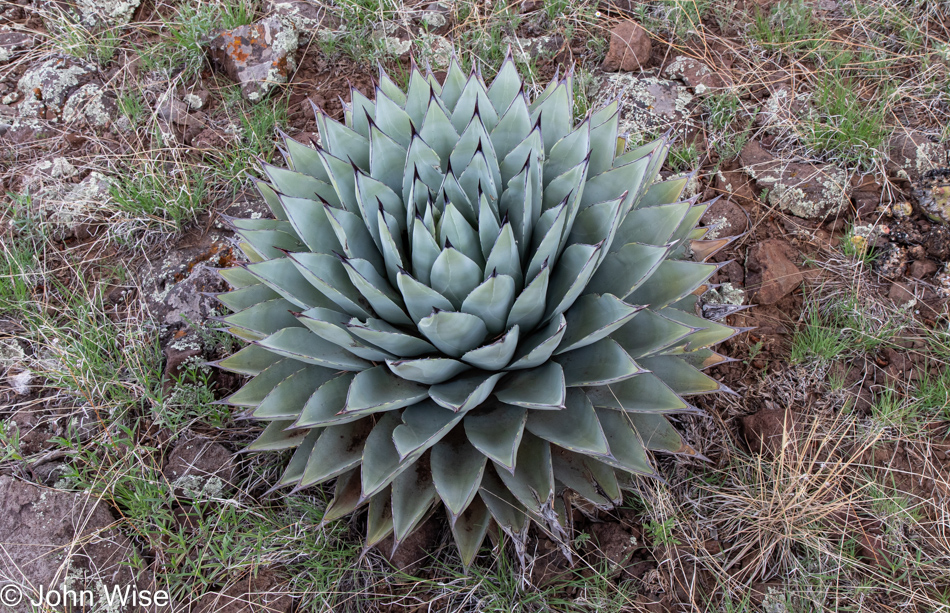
{"x": 465, "y": 298}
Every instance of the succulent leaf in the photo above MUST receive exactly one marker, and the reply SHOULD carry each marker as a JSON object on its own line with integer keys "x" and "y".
{"x": 576, "y": 427}
{"x": 457, "y": 469}
{"x": 250, "y": 360}
{"x": 423, "y": 425}
{"x": 292, "y": 392}
{"x": 337, "y": 450}
{"x": 325, "y": 406}
{"x": 569, "y": 470}
{"x": 276, "y": 437}
{"x": 470, "y": 528}
{"x": 496, "y": 432}
{"x": 413, "y": 494}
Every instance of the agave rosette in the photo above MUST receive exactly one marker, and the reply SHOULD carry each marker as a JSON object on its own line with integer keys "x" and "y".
{"x": 466, "y": 298}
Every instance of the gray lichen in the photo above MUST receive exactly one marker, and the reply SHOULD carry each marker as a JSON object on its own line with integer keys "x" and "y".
{"x": 727, "y": 294}
{"x": 87, "y": 103}
{"x": 787, "y": 194}
{"x": 68, "y": 205}
{"x": 56, "y": 168}
{"x": 434, "y": 19}
{"x": 437, "y": 50}
{"x": 109, "y": 13}
{"x": 942, "y": 281}
{"x": 196, "y": 486}
{"x": 48, "y": 85}
{"x": 194, "y": 102}
{"x": 283, "y": 42}
{"x": 715, "y": 226}
{"x": 11, "y": 354}
{"x": 301, "y": 16}
{"x": 647, "y": 104}
{"x": 393, "y": 45}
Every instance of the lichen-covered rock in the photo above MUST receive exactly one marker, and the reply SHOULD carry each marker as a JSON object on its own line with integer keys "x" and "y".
{"x": 866, "y": 236}
{"x": 197, "y": 99}
{"x": 11, "y": 354}
{"x": 55, "y": 168}
{"x": 175, "y": 287}
{"x": 393, "y": 45}
{"x": 436, "y": 16}
{"x": 942, "y": 281}
{"x": 200, "y": 468}
{"x": 932, "y": 192}
{"x": 70, "y": 208}
{"x": 181, "y": 353}
{"x": 172, "y": 109}
{"x": 67, "y": 208}
{"x": 695, "y": 74}
{"x": 809, "y": 191}
{"x": 724, "y": 218}
{"x": 911, "y": 154}
{"x": 437, "y": 50}
{"x": 12, "y": 43}
{"x": 431, "y": 49}
{"x": 721, "y": 301}
{"x": 647, "y": 105}
{"x": 91, "y": 104}
{"x": 782, "y": 109}
{"x": 187, "y": 301}
{"x": 46, "y": 87}
{"x": 891, "y": 262}
{"x": 106, "y": 13}
{"x": 258, "y": 57}
{"x": 302, "y": 15}
{"x": 526, "y": 50}
{"x": 60, "y": 541}
{"x": 90, "y": 14}
{"x": 630, "y": 48}
{"x": 14, "y": 367}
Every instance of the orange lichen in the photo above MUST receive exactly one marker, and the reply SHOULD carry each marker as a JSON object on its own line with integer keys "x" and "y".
{"x": 225, "y": 260}
{"x": 235, "y": 48}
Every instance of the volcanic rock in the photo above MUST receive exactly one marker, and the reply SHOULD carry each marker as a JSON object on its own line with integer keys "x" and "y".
{"x": 259, "y": 56}
{"x": 630, "y": 48}
{"x": 772, "y": 274}
{"x": 809, "y": 191}
{"x": 59, "y": 540}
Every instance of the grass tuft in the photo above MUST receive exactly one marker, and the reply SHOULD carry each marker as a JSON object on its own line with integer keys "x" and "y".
{"x": 844, "y": 126}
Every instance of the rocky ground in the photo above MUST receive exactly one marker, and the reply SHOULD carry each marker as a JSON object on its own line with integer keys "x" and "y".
{"x": 130, "y": 130}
